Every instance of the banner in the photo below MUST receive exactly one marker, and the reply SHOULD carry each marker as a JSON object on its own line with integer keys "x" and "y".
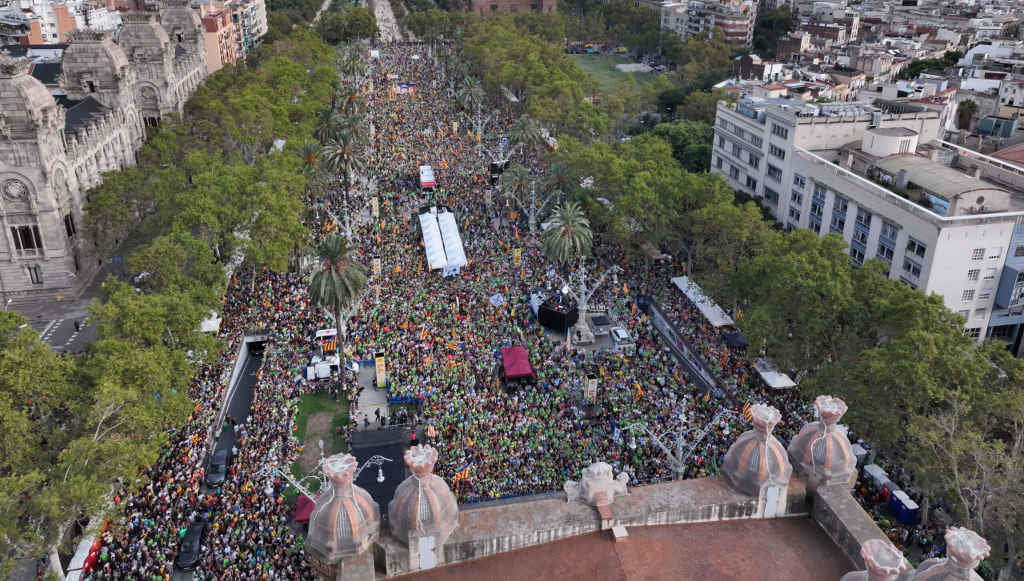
{"x": 375, "y": 204}
{"x": 517, "y": 256}
{"x": 376, "y": 267}
{"x": 591, "y": 387}
{"x": 382, "y": 373}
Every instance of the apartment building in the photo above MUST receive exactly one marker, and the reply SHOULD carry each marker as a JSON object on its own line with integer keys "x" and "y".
{"x": 249, "y": 18}
{"x": 940, "y": 220}
{"x": 734, "y": 17}
{"x": 218, "y": 37}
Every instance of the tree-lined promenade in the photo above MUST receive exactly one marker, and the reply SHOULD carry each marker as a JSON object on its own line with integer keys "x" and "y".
{"x": 215, "y": 187}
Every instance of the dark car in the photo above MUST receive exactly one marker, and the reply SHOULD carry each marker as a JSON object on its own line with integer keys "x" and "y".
{"x": 190, "y": 551}
{"x": 218, "y": 469}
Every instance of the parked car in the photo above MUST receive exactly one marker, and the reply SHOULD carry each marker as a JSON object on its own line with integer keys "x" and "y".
{"x": 218, "y": 469}
{"x": 190, "y": 551}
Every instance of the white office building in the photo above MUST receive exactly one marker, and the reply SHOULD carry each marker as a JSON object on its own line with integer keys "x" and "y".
{"x": 945, "y": 221}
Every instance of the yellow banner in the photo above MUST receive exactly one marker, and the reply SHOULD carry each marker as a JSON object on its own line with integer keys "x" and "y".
{"x": 382, "y": 372}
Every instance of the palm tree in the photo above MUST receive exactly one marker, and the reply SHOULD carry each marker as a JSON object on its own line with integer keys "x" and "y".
{"x": 310, "y": 156}
{"x": 527, "y": 133}
{"x": 559, "y": 177}
{"x": 338, "y": 283}
{"x": 568, "y": 236}
{"x": 343, "y": 156}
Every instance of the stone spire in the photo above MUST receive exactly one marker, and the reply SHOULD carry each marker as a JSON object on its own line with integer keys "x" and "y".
{"x": 884, "y": 562}
{"x": 965, "y": 549}
{"x": 821, "y": 451}
{"x": 423, "y": 505}
{"x": 346, "y": 519}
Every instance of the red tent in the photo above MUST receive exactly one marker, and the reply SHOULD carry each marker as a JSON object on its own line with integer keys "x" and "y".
{"x": 303, "y": 508}
{"x": 516, "y": 362}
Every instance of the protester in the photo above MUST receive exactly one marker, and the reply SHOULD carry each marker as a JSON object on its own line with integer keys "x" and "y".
{"x": 441, "y": 337}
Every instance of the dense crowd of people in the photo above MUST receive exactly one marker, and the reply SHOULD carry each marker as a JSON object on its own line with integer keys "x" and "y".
{"x": 441, "y": 336}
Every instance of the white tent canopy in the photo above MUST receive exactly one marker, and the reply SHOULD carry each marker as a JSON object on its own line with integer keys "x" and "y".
{"x": 432, "y": 242}
{"x": 452, "y": 240}
{"x": 771, "y": 374}
{"x": 210, "y": 324}
{"x": 711, "y": 311}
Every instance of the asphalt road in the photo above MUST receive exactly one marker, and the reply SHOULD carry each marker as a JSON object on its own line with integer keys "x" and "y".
{"x": 238, "y": 407}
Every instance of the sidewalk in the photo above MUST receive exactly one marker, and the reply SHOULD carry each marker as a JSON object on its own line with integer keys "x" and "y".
{"x": 370, "y": 400}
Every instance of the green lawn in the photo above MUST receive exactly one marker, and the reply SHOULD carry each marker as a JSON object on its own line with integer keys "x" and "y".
{"x": 602, "y": 68}
{"x": 333, "y": 444}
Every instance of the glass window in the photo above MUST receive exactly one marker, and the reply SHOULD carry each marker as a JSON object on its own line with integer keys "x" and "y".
{"x": 840, "y": 205}
{"x": 995, "y": 252}
{"x": 973, "y": 274}
{"x": 774, "y": 173}
{"x": 884, "y": 253}
{"x": 794, "y": 214}
{"x": 814, "y": 223}
{"x": 26, "y": 238}
{"x": 751, "y": 183}
{"x": 916, "y": 247}
{"x": 736, "y": 150}
{"x": 1018, "y": 251}
{"x": 977, "y": 254}
{"x": 771, "y": 195}
{"x": 857, "y": 255}
{"x": 800, "y": 181}
{"x": 757, "y": 141}
{"x": 990, "y": 273}
{"x": 797, "y": 198}
{"x": 967, "y": 295}
{"x": 860, "y": 236}
{"x": 780, "y": 131}
{"x": 890, "y": 230}
{"x": 755, "y": 162}
{"x": 912, "y": 266}
{"x": 777, "y": 151}
{"x": 973, "y": 332}
{"x": 863, "y": 217}
{"x": 837, "y": 225}
{"x": 35, "y": 274}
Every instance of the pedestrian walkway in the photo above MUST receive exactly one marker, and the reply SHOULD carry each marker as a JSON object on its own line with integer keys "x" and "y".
{"x": 371, "y": 400}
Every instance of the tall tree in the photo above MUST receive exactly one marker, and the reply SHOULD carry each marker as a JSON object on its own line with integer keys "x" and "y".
{"x": 965, "y": 113}
{"x": 569, "y": 239}
{"x": 339, "y": 282}
{"x": 528, "y": 135}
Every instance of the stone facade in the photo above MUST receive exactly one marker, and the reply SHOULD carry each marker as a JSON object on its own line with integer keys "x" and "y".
{"x": 54, "y": 148}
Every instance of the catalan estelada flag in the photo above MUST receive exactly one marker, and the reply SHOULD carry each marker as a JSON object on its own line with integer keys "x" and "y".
{"x": 746, "y": 411}
{"x": 461, "y": 474}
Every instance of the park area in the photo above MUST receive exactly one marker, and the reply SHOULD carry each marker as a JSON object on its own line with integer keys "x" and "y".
{"x": 319, "y": 417}
{"x": 602, "y": 68}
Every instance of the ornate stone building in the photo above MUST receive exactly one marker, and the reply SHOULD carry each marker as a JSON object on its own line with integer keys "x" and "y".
{"x": 54, "y": 147}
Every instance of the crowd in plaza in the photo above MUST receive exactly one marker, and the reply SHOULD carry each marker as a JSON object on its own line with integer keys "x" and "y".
{"x": 441, "y": 337}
